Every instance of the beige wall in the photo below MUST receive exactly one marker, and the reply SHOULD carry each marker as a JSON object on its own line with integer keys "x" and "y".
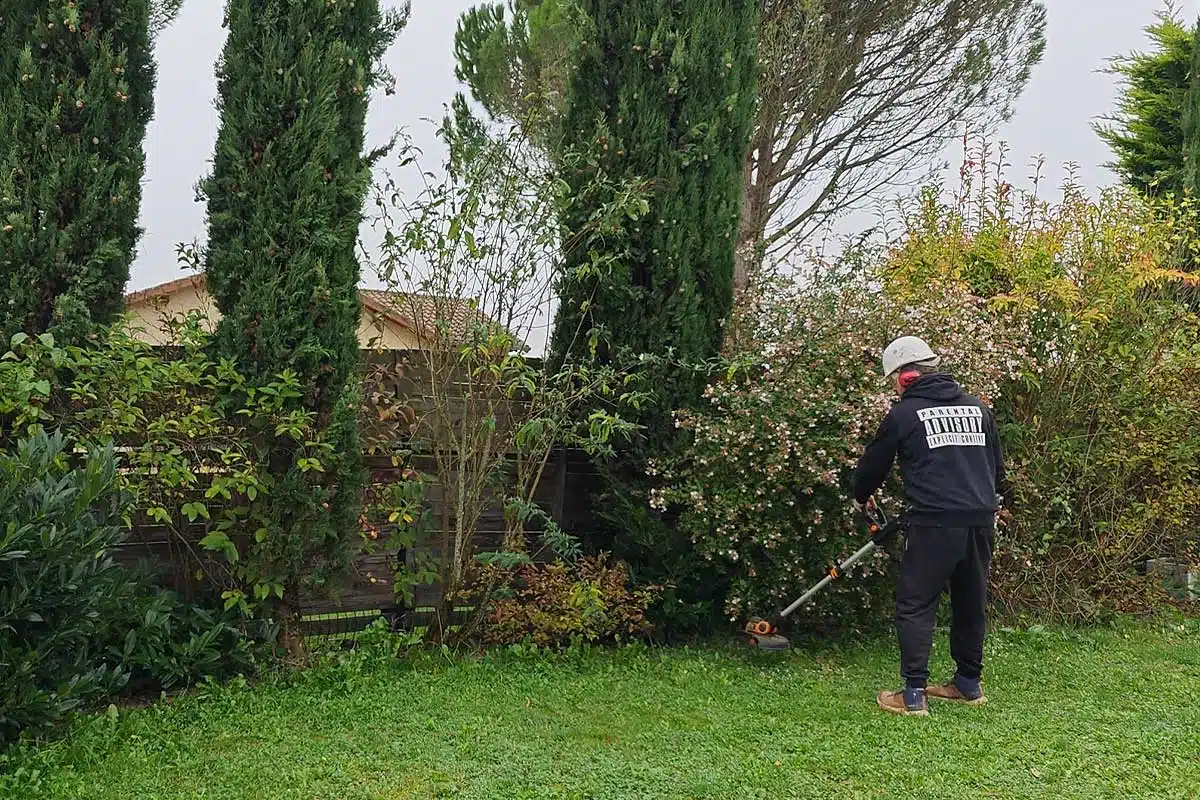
{"x": 376, "y": 332}
{"x": 148, "y": 316}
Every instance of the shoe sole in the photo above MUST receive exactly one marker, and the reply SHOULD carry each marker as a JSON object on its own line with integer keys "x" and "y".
{"x": 902, "y": 712}
{"x": 962, "y": 701}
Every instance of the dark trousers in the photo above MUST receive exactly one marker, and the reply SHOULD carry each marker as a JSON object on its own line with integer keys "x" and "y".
{"x": 934, "y": 559}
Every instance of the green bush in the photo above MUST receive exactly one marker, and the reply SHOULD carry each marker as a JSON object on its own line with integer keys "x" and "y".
{"x": 164, "y": 642}
{"x": 1064, "y": 316}
{"x": 192, "y": 461}
{"x": 76, "y": 627}
{"x": 58, "y": 582}
{"x": 764, "y": 490}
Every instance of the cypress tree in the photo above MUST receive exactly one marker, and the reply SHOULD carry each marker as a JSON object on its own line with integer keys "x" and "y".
{"x": 284, "y": 206}
{"x": 1191, "y": 120}
{"x": 1146, "y": 131}
{"x": 76, "y": 95}
{"x": 1190, "y": 159}
{"x": 664, "y": 94}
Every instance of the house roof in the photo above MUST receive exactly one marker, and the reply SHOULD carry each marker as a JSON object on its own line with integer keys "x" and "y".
{"x": 420, "y": 312}
{"x": 170, "y": 287}
{"x": 415, "y": 312}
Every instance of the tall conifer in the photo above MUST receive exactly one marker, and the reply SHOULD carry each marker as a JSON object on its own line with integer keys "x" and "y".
{"x": 76, "y": 95}
{"x": 285, "y": 200}
{"x": 1191, "y": 120}
{"x": 664, "y": 95}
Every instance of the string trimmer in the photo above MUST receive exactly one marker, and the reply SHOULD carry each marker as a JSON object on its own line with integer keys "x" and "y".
{"x": 764, "y": 634}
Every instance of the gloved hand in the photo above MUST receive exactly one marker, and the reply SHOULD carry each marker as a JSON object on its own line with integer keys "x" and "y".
{"x": 1003, "y": 515}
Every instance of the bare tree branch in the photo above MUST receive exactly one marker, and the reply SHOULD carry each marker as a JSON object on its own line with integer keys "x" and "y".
{"x": 855, "y": 92}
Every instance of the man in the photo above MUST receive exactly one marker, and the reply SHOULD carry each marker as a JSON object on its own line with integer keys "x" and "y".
{"x": 951, "y": 464}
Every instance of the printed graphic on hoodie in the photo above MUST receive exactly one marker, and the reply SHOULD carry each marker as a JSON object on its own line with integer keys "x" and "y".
{"x": 953, "y": 426}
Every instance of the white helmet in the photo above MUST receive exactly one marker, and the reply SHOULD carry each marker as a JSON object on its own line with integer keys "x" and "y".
{"x": 907, "y": 350}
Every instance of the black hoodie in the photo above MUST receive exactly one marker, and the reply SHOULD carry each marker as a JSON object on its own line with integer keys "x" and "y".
{"x": 949, "y": 453}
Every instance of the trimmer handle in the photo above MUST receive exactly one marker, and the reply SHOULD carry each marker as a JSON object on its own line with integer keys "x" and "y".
{"x": 881, "y": 536}
{"x": 876, "y": 517}
{"x": 878, "y": 524}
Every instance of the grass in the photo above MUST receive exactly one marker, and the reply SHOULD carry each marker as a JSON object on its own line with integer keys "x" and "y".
{"x": 1102, "y": 714}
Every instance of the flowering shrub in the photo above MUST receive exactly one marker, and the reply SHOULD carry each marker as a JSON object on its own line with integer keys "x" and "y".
{"x": 765, "y": 487}
{"x": 1066, "y": 316}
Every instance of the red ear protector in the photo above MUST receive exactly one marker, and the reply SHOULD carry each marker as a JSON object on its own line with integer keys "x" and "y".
{"x": 907, "y": 379}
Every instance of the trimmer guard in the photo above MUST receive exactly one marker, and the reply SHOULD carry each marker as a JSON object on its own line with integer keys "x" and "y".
{"x": 771, "y": 642}
{"x": 764, "y": 635}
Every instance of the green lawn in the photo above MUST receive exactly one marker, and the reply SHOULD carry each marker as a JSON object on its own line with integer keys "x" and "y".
{"x": 1090, "y": 715}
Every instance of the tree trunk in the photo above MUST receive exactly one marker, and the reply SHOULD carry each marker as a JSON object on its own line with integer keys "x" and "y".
{"x": 291, "y": 637}
{"x": 445, "y": 606}
{"x": 756, "y": 209}
{"x": 746, "y": 239}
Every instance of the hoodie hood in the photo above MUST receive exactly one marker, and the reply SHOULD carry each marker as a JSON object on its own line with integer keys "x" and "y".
{"x": 938, "y": 387}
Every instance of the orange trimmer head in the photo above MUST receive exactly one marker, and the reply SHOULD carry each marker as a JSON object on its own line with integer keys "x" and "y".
{"x": 765, "y": 635}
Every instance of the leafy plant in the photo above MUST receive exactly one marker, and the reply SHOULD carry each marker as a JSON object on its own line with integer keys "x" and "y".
{"x": 58, "y": 582}
{"x": 557, "y": 604}
{"x": 397, "y": 519}
{"x": 164, "y": 642}
{"x": 76, "y": 627}
{"x": 193, "y": 463}
{"x": 1100, "y": 428}
{"x": 1065, "y": 316}
{"x": 763, "y": 491}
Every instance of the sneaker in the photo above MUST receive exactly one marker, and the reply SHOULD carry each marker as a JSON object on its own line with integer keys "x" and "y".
{"x": 908, "y": 702}
{"x": 960, "y": 690}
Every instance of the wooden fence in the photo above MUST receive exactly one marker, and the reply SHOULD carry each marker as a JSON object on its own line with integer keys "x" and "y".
{"x": 368, "y": 591}
{"x": 395, "y": 386}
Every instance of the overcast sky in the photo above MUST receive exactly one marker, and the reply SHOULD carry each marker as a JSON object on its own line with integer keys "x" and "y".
{"x": 1053, "y": 119}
